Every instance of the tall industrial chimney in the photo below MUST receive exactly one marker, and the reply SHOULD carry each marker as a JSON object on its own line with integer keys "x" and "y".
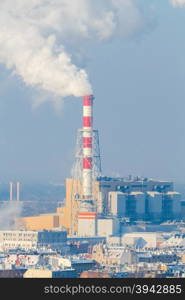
{"x": 87, "y": 145}
{"x": 87, "y": 214}
{"x": 86, "y": 171}
{"x": 11, "y": 191}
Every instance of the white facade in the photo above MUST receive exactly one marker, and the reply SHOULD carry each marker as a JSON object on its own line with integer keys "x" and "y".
{"x": 107, "y": 227}
{"x": 149, "y": 238}
{"x": 117, "y": 203}
{"x": 100, "y": 202}
{"x": 87, "y": 227}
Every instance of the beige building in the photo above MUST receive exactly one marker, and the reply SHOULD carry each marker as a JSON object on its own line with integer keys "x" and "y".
{"x": 113, "y": 256}
{"x": 61, "y": 218}
{"x": 64, "y": 216}
{"x": 37, "y": 273}
{"x": 149, "y": 239}
{"x": 18, "y": 239}
{"x": 30, "y": 240}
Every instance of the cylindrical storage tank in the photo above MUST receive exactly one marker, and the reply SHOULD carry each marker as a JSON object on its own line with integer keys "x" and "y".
{"x": 117, "y": 203}
{"x": 154, "y": 200}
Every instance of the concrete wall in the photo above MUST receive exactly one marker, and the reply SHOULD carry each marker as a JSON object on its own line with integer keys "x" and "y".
{"x": 150, "y": 238}
{"x": 87, "y": 227}
{"x": 107, "y": 227}
{"x": 41, "y": 222}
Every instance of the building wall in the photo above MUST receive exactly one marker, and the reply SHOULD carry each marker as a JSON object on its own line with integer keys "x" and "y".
{"x": 154, "y": 205}
{"x": 41, "y": 222}
{"x": 52, "y": 238}
{"x": 176, "y": 202}
{"x": 66, "y": 211}
{"x": 113, "y": 256}
{"x": 62, "y": 217}
{"x": 150, "y": 238}
{"x": 107, "y": 227}
{"x": 31, "y": 239}
{"x": 87, "y": 227}
{"x": 150, "y": 205}
{"x": 37, "y": 273}
{"x": 171, "y": 205}
{"x": 117, "y": 203}
{"x": 18, "y": 239}
{"x": 135, "y": 207}
{"x": 67, "y": 216}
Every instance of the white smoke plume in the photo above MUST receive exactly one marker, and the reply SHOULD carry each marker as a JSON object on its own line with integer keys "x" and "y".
{"x": 9, "y": 212}
{"x": 178, "y": 2}
{"x": 35, "y": 36}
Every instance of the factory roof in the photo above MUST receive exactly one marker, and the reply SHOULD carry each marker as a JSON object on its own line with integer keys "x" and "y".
{"x": 136, "y": 193}
{"x": 172, "y": 193}
{"x": 132, "y": 179}
{"x": 153, "y": 193}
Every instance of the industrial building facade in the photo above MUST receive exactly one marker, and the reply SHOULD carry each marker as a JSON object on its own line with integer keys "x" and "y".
{"x": 31, "y": 240}
{"x": 151, "y": 206}
{"x": 135, "y": 198}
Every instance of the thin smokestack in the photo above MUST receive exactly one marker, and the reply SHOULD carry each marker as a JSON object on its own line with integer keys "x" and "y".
{"x": 11, "y": 191}
{"x": 18, "y": 191}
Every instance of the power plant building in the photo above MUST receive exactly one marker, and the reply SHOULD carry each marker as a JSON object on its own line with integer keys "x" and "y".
{"x": 92, "y": 200}
{"x": 157, "y": 205}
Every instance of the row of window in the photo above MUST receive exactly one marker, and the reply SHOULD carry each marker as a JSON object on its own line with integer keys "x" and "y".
{"x": 19, "y": 234}
{"x": 19, "y": 245}
{"x": 20, "y": 239}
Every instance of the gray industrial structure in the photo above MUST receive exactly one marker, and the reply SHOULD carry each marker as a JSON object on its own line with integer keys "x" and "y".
{"x": 141, "y": 199}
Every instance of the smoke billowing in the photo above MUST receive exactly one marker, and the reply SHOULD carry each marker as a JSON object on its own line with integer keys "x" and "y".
{"x": 34, "y": 35}
{"x": 9, "y": 212}
{"x": 178, "y": 2}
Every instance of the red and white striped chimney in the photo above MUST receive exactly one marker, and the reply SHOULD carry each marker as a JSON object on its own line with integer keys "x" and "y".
{"x": 87, "y": 145}
{"x": 87, "y": 215}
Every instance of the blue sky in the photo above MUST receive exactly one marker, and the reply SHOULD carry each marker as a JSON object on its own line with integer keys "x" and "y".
{"x": 139, "y": 110}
